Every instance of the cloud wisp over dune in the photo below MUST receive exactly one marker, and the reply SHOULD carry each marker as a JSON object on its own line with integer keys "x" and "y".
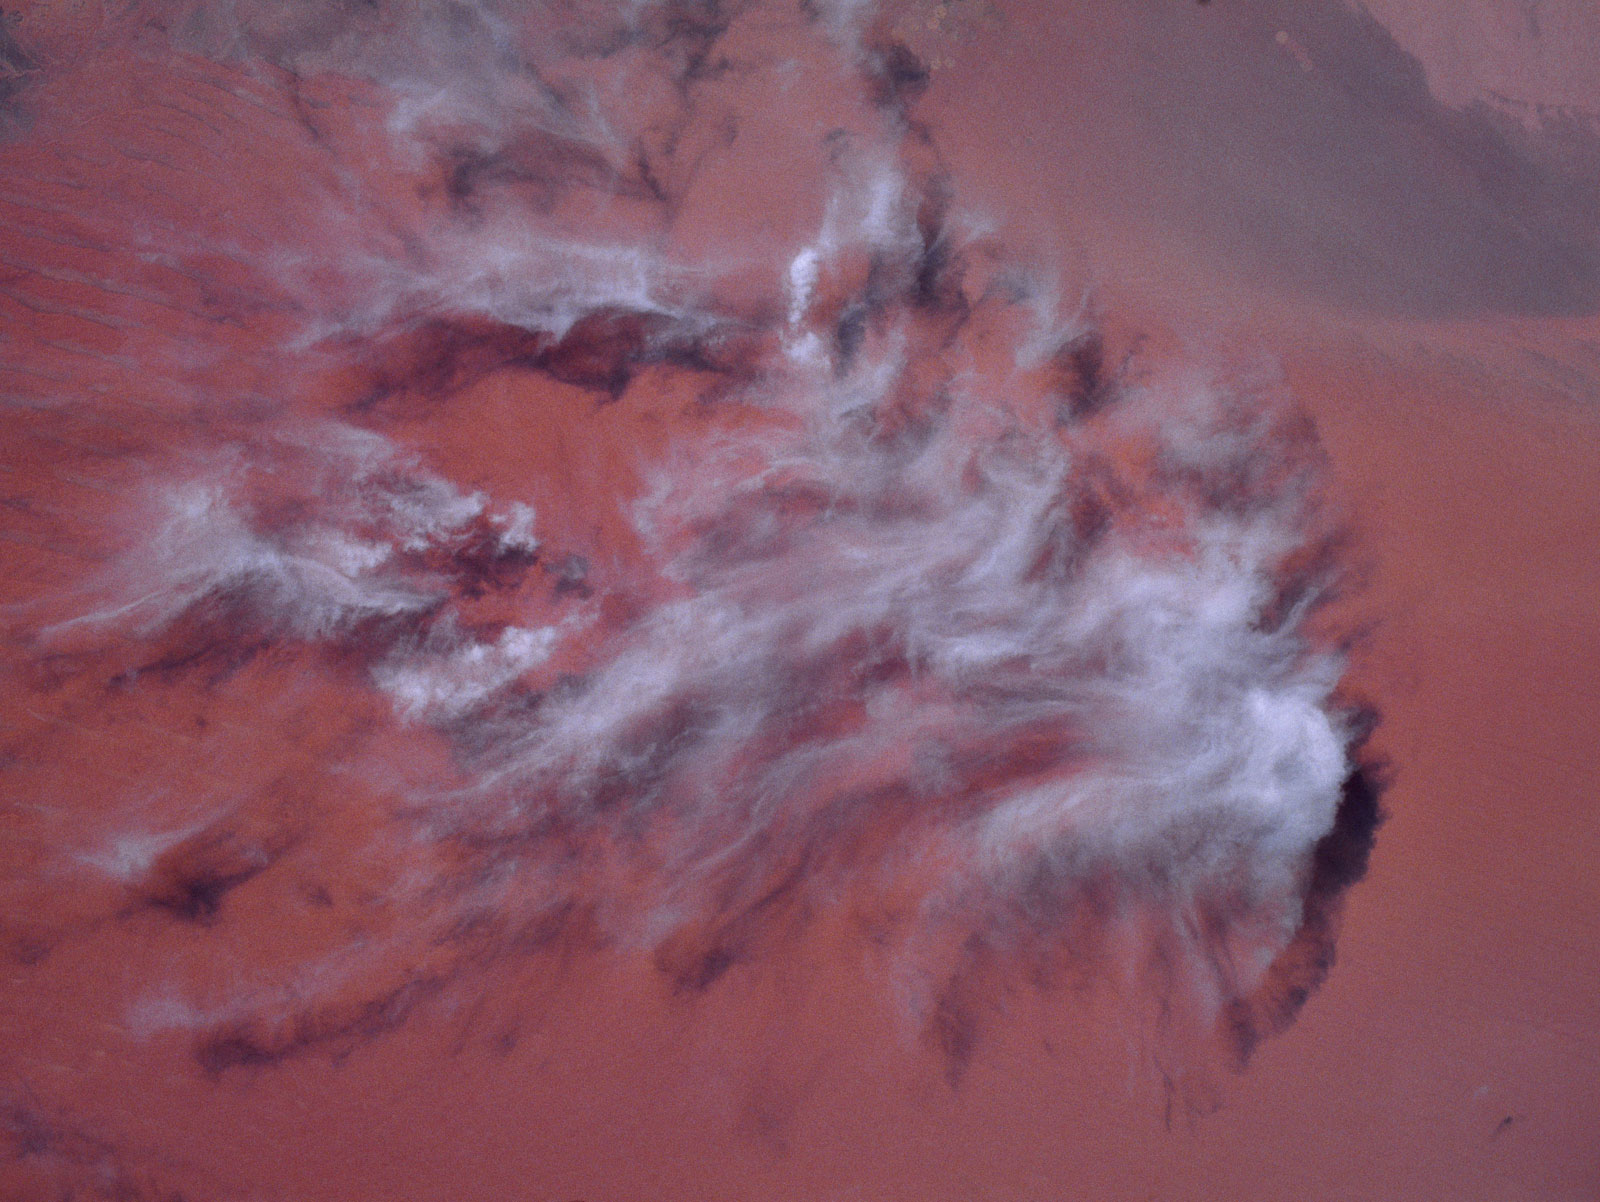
{"x": 644, "y": 522}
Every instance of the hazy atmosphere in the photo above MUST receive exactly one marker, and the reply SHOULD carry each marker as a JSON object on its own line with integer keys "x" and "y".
{"x": 819, "y": 600}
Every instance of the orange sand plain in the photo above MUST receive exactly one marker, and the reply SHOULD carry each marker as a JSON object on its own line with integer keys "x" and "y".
{"x": 1454, "y": 1052}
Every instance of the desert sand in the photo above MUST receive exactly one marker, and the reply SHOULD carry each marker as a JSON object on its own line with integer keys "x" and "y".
{"x": 238, "y": 965}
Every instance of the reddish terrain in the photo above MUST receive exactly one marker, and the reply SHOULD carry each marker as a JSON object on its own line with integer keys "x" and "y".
{"x": 239, "y": 959}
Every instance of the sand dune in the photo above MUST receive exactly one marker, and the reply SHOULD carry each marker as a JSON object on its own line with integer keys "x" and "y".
{"x": 669, "y": 601}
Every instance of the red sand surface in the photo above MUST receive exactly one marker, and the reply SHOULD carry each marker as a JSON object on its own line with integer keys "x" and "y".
{"x": 1237, "y": 189}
